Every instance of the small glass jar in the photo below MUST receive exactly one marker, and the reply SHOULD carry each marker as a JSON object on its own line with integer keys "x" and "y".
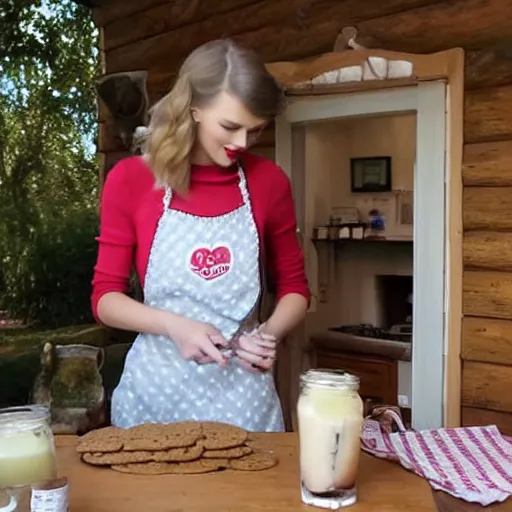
{"x": 330, "y": 419}
{"x": 27, "y": 447}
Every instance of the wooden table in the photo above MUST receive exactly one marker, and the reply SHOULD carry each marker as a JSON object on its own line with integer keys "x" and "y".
{"x": 383, "y": 486}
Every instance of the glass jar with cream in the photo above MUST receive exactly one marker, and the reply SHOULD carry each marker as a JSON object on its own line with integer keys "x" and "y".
{"x": 27, "y": 449}
{"x": 330, "y": 419}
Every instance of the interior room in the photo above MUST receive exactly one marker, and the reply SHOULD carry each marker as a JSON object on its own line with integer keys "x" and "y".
{"x": 359, "y": 210}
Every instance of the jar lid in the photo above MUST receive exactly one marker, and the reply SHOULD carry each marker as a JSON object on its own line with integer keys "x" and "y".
{"x": 330, "y": 378}
{"x": 23, "y": 417}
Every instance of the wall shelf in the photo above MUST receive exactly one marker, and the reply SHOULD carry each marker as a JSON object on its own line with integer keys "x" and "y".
{"x": 343, "y": 241}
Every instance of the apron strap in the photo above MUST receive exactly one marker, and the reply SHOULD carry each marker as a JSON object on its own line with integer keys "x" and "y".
{"x": 167, "y": 198}
{"x": 242, "y": 184}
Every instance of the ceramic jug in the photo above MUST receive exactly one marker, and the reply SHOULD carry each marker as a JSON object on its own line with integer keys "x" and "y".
{"x": 71, "y": 385}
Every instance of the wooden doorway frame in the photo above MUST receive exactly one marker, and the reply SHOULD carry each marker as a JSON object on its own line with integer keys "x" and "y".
{"x": 315, "y": 78}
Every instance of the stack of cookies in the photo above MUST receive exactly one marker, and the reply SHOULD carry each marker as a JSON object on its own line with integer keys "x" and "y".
{"x": 173, "y": 448}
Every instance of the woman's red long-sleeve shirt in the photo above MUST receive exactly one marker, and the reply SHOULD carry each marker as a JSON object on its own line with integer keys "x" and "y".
{"x": 131, "y": 206}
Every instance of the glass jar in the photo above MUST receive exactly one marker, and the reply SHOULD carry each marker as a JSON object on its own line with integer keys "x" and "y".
{"x": 27, "y": 448}
{"x": 330, "y": 419}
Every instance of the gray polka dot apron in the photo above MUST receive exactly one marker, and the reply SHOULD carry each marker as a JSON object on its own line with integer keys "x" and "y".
{"x": 207, "y": 269}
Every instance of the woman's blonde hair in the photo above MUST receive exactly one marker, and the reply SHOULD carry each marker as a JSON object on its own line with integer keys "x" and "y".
{"x": 214, "y": 67}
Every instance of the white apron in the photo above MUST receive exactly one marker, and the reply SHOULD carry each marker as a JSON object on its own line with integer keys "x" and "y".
{"x": 207, "y": 269}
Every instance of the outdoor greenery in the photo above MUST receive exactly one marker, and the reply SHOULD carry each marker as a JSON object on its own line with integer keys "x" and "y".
{"x": 48, "y": 170}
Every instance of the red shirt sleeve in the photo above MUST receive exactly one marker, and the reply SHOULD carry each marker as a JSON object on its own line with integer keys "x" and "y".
{"x": 285, "y": 258}
{"x": 117, "y": 240}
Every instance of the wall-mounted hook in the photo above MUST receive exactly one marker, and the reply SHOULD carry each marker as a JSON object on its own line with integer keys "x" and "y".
{"x": 347, "y": 39}
{"x": 350, "y": 35}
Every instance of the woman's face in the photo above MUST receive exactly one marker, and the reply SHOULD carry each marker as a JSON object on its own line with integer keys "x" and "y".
{"x": 224, "y": 128}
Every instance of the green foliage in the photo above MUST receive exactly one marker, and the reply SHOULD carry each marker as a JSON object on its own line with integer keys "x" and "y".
{"x": 48, "y": 172}
{"x": 53, "y": 280}
{"x": 50, "y": 47}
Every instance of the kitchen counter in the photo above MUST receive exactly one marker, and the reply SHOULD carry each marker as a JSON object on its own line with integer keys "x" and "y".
{"x": 397, "y": 350}
{"x": 383, "y": 486}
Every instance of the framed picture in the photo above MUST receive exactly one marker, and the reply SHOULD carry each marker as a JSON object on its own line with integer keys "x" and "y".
{"x": 371, "y": 174}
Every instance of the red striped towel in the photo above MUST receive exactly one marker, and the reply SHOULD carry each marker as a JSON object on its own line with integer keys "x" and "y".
{"x": 470, "y": 463}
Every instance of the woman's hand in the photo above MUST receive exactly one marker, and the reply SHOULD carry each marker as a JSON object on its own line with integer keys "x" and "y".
{"x": 256, "y": 351}
{"x": 197, "y": 341}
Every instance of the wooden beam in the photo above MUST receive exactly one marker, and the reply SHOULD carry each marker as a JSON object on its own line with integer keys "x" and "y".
{"x": 111, "y": 159}
{"x": 108, "y": 141}
{"x": 487, "y": 294}
{"x": 472, "y": 416}
{"x": 487, "y": 208}
{"x": 167, "y": 17}
{"x": 276, "y": 30}
{"x": 487, "y": 250}
{"x": 160, "y": 80}
{"x": 472, "y": 24}
{"x": 484, "y": 68}
{"x": 267, "y": 139}
{"x": 116, "y": 9}
{"x": 486, "y": 386}
{"x": 106, "y": 162}
{"x": 488, "y": 164}
{"x": 488, "y": 115}
{"x": 293, "y": 73}
{"x": 265, "y": 151}
{"x": 489, "y": 67}
{"x": 103, "y": 111}
{"x": 487, "y": 340}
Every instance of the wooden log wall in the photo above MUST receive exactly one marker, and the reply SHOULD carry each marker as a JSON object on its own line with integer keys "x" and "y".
{"x": 157, "y": 34}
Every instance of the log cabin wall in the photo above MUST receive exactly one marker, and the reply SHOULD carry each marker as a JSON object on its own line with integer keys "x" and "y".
{"x": 156, "y": 35}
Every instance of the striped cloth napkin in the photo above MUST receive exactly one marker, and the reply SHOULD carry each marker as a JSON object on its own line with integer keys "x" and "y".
{"x": 471, "y": 463}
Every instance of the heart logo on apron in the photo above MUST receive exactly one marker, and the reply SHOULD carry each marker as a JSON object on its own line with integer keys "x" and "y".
{"x": 211, "y": 263}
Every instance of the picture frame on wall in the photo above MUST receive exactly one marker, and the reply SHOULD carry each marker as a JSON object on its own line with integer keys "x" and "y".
{"x": 370, "y": 174}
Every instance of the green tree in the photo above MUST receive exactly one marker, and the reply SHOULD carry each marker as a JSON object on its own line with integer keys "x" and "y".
{"x": 48, "y": 171}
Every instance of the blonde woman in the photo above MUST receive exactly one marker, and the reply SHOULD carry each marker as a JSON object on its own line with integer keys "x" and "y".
{"x": 200, "y": 217}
